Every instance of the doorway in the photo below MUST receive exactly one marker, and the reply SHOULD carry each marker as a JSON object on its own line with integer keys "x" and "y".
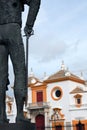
{"x": 40, "y": 122}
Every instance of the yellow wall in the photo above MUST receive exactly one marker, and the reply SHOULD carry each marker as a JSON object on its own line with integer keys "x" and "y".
{"x": 57, "y": 123}
{"x": 75, "y": 122}
{"x": 34, "y": 93}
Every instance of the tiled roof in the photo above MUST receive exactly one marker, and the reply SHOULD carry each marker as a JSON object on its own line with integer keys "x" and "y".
{"x": 62, "y": 74}
{"x": 77, "y": 90}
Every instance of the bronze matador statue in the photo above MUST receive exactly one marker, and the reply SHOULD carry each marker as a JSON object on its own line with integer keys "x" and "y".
{"x": 11, "y": 44}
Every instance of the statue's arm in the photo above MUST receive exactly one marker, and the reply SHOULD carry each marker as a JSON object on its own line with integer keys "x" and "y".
{"x": 34, "y": 6}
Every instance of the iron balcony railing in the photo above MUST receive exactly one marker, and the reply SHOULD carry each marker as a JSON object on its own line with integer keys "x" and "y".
{"x": 38, "y": 105}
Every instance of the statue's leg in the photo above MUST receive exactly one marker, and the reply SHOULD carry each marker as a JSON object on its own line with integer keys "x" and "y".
{"x": 16, "y": 50}
{"x": 3, "y": 82}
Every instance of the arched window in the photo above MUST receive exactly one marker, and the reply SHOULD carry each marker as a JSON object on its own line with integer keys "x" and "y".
{"x": 78, "y": 100}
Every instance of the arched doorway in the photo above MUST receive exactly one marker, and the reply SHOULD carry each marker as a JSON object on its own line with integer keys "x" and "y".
{"x": 40, "y": 123}
{"x": 59, "y": 127}
{"x": 80, "y": 126}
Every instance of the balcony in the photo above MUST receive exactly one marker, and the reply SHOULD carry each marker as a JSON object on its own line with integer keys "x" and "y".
{"x": 38, "y": 105}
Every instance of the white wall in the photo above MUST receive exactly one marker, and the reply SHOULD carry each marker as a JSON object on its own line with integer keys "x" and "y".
{"x": 29, "y": 95}
{"x": 67, "y": 99}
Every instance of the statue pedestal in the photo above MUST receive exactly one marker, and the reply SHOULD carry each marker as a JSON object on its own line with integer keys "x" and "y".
{"x": 18, "y": 126}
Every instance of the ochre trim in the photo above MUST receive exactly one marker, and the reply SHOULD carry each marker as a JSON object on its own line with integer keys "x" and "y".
{"x": 56, "y": 123}
{"x": 56, "y": 87}
{"x": 76, "y": 97}
{"x": 75, "y": 122}
{"x": 59, "y": 112}
{"x": 34, "y": 93}
{"x": 35, "y": 85}
{"x": 64, "y": 79}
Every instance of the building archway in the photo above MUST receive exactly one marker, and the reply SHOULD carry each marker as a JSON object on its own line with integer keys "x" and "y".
{"x": 40, "y": 122}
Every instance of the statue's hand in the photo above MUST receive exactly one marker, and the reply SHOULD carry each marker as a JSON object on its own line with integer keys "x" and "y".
{"x": 28, "y": 31}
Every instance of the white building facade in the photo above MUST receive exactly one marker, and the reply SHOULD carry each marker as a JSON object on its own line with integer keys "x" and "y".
{"x": 58, "y": 102}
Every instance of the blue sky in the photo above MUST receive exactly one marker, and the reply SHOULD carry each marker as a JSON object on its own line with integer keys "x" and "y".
{"x": 60, "y": 33}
